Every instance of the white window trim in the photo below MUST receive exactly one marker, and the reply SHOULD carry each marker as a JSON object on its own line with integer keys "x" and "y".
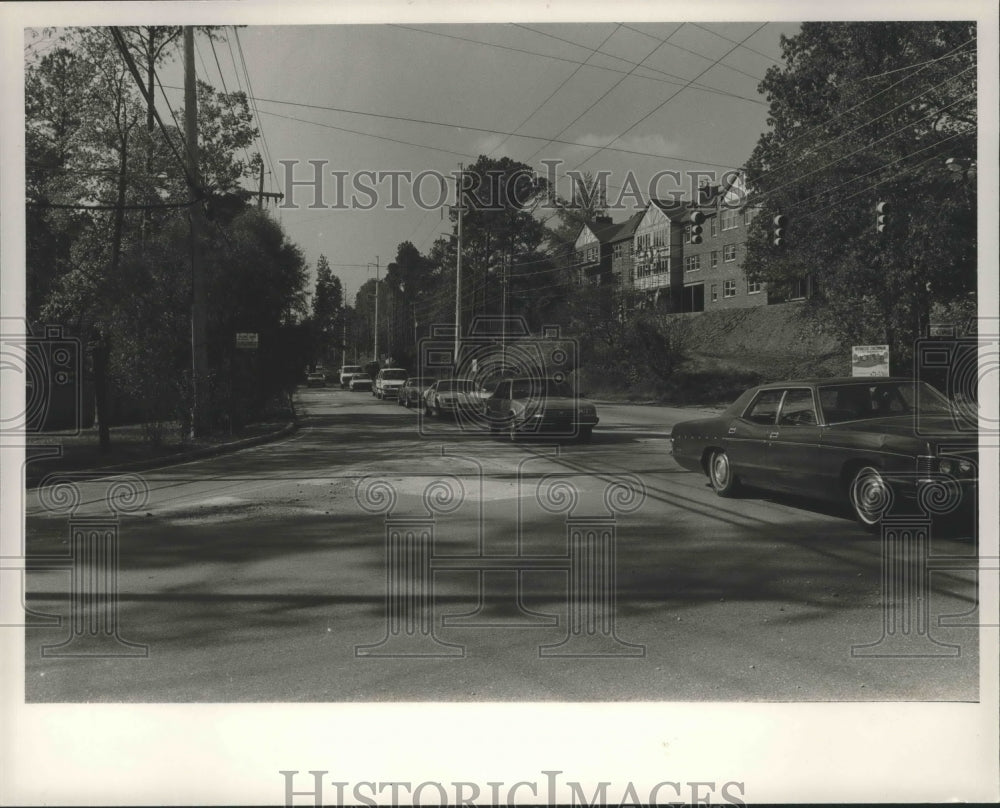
{"x": 726, "y": 286}
{"x": 725, "y": 249}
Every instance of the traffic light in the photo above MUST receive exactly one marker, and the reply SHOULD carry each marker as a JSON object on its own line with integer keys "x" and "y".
{"x": 882, "y": 216}
{"x": 697, "y": 217}
{"x": 780, "y": 223}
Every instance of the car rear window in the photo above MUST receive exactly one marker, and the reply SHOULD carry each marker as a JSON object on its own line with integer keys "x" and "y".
{"x": 394, "y": 374}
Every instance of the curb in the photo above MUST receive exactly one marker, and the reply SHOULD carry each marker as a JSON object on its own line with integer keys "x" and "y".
{"x": 179, "y": 457}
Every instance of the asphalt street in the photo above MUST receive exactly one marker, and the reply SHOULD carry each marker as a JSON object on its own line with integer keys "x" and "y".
{"x": 378, "y": 556}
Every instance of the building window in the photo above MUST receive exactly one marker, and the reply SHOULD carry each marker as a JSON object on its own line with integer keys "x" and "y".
{"x": 754, "y": 287}
{"x": 618, "y": 250}
{"x": 800, "y": 289}
{"x": 715, "y": 225}
{"x": 715, "y": 258}
{"x": 715, "y": 292}
{"x": 729, "y": 253}
{"x": 729, "y": 289}
{"x": 692, "y": 262}
{"x": 730, "y": 219}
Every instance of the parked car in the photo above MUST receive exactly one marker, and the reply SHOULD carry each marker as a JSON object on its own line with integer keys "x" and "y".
{"x": 411, "y": 394}
{"x": 455, "y": 398}
{"x": 866, "y": 442}
{"x": 527, "y": 406}
{"x": 316, "y": 379}
{"x": 346, "y": 371}
{"x": 359, "y": 381}
{"x": 387, "y": 382}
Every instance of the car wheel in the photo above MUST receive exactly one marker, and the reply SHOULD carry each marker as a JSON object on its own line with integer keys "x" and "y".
{"x": 720, "y": 473}
{"x": 869, "y": 496}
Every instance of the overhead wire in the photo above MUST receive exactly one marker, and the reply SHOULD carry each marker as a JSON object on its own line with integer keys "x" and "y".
{"x": 857, "y": 128}
{"x": 253, "y": 101}
{"x": 605, "y": 94}
{"x": 562, "y": 84}
{"x": 678, "y": 81}
{"x": 663, "y": 103}
{"x": 704, "y": 88}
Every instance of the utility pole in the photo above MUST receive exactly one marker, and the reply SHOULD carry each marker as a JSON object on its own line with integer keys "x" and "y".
{"x": 376, "y": 309}
{"x": 503, "y": 311}
{"x": 343, "y": 341}
{"x": 199, "y": 350}
{"x": 458, "y": 267}
{"x": 260, "y": 189}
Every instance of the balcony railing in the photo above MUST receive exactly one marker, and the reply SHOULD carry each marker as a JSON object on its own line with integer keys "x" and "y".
{"x": 654, "y": 281}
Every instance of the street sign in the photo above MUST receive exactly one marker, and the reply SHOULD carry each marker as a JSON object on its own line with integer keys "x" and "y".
{"x": 870, "y": 360}
{"x": 246, "y": 339}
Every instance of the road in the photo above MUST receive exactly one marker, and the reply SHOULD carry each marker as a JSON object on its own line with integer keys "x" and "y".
{"x": 266, "y": 575}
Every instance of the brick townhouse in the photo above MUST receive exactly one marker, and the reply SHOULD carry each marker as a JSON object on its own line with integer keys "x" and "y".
{"x": 652, "y": 258}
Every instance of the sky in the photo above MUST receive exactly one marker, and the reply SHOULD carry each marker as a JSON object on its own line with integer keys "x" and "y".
{"x": 683, "y": 93}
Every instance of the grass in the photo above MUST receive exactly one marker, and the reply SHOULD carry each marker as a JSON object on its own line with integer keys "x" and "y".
{"x": 130, "y": 444}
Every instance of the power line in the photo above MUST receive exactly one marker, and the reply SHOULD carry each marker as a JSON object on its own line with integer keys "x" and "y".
{"x": 699, "y": 55}
{"x": 253, "y": 102}
{"x": 866, "y": 146}
{"x": 667, "y": 100}
{"x": 130, "y": 63}
{"x": 875, "y": 171}
{"x": 609, "y": 90}
{"x": 702, "y": 87}
{"x": 101, "y": 206}
{"x": 564, "y": 82}
{"x": 470, "y": 128}
{"x": 739, "y": 44}
{"x": 681, "y": 79}
{"x": 810, "y": 130}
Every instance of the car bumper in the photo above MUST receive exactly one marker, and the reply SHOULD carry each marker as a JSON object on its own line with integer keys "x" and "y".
{"x": 555, "y": 425}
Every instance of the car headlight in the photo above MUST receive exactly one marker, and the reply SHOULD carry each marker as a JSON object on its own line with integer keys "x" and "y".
{"x": 946, "y": 466}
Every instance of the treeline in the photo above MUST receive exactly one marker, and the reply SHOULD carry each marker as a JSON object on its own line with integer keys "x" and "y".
{"x": 109, "y": 241}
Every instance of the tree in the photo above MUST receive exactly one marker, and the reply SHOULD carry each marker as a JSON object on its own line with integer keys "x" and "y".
{"x": 862, "y": 113}
{"x": 327, "y": 305}
{"x": 109, "y": 244}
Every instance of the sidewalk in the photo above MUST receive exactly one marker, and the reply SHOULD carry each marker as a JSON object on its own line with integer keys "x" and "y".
{"x": 130, "y": 451}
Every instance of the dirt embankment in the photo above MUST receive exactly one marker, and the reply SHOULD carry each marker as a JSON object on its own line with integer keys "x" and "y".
{"x": 776, "y": 342}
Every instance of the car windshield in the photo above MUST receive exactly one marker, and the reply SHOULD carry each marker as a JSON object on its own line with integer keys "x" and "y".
{"x": 457, "y": 386}
{"x": 859, "y": 401}
{"x": 351, "y": 368}
{"x": 540, "y": 388}
{"x": 360, "y": 377}
{"x": 395, "y": 375}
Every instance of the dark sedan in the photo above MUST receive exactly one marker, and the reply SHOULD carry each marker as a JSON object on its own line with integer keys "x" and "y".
{"x": 454, "y": 398}
{"x": 869, "y": 442}
{"x": 521, "y": 407}
{"x": 411, "y": 394}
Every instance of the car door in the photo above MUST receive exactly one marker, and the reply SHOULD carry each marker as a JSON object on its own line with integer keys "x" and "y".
{"x": 792, "y": 458}
{"x": 747, "y": 435}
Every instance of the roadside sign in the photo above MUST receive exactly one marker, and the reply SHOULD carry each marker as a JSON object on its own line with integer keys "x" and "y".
{"x": 870, "y": 360}
{"x": 246, "y": 339}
